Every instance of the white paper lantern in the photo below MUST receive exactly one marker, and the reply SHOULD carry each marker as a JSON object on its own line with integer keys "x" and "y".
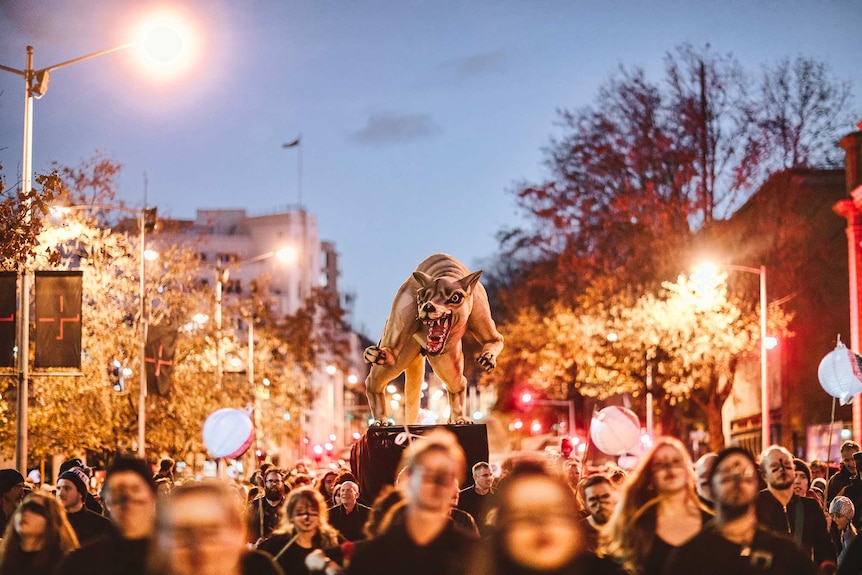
{"x": 615, "y": 430}
{"x": 228, "y": 433}
{"x": 840, "y": 374}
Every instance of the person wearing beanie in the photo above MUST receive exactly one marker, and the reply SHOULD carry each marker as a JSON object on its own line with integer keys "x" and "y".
{"x": 11, "y": 494}
{"x": 843, "y": 533}
{"x": 130, "y": 498}
{"x": 72, "y": 492}
{"x": 90, "y": 501}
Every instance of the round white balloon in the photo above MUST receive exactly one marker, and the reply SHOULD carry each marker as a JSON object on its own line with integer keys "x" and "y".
{"x": 228, "y": 433}
{"x": 615, "y": 430}
{"x": 840, "y": 374}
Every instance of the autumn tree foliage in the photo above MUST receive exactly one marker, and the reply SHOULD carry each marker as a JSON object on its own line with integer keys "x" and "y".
{"x": 633, "y": 178}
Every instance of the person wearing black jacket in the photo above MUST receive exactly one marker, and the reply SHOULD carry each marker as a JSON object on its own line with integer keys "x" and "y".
{"x": 782, "y": 511}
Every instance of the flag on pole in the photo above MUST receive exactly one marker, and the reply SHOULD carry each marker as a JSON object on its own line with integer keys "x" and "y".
{"x": 8, "y": 317}
{"x": 292, "y": 144}
{"x": 58, "y": 319}
{"x": 161, "y": 343}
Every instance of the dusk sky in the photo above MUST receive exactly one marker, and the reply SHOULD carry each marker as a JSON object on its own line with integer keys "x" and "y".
{"x": 417, "y": 117}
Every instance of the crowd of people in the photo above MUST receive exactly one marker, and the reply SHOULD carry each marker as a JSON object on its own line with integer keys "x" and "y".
{"x": 728, "y": 512}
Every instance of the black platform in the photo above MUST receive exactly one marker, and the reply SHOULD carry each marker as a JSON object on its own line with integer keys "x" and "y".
{"x": 374, "y": 458}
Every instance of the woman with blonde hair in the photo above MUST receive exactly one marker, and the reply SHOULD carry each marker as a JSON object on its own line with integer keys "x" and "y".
{"x": 658, "y": 511}
{"x": 304, "y": 529}
{"x": 38, "y": 536}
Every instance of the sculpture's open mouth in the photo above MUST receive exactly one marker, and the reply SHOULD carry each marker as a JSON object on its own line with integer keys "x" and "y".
{"x": 438, "y": 331}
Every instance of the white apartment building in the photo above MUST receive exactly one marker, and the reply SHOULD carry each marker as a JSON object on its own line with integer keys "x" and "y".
{"x": 245, "y": 246}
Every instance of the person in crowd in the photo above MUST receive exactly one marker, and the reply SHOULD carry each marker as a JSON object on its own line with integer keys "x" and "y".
{"x": 461, "y": 518}
{"x": 349, "y": 518}
{"x": 72, "y": 493}
{"x": 264, "y": 512}
{"x": 784, "y": 512}
{"x": 818, "y": 469}
{"x": 336, "y": 494}
{"x": 478, "y": 499}
{"x": 818, "y": 486}
{"x": 130, "y": 498}
{"x": 572, "y": 473}
{"x": 200, "y": 530}
{"x": 702, "y": 469}
{"x": 166, "y": 471}
{"x": 90, "y": 502}
{"x": 853, "y": 489}
{"x": 600, "y": 498}
{"x": 842, "y": 510}
{"x": 536, "y": 530}
{"x": 802, "y": 479}
{"x": 37, "y": 538}
{"x": 11, "y": 494}
{"x": 304, "y": 529}
{"x": 421, "y": 538}
{"x": 733, "y": 542}
{"x": 658, "y": 511}
{"x": 378, "y": 519}
{"x": 847, "y": 471}
{"x": 325, "y": 485}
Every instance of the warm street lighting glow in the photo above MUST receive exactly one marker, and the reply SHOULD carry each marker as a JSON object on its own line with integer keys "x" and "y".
{"x": 352, "y": 379}
{"x": 151, "y": 255}
{"x": 287, "y": 255}
{"x": 331, "y": 369}
{"x": 165, "y": 44}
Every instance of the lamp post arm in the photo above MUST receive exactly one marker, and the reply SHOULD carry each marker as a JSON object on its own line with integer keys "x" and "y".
{"x": 82, "y": 58}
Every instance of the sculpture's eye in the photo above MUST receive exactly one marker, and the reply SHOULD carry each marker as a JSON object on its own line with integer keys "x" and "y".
{"x": 456, "y": 298}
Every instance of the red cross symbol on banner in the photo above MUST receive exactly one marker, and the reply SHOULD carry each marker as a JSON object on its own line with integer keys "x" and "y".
{"x": 158, "y": 361}
{"x": 63, "y": 320}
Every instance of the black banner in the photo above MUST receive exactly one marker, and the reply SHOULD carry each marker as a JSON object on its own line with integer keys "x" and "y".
{"x": 161, "y": 342}
{"x": 8, "y": 317}
{"x": 58, "y": 319}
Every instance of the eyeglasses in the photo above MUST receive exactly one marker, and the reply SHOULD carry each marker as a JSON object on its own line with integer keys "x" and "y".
{"x": 306, "y": 515}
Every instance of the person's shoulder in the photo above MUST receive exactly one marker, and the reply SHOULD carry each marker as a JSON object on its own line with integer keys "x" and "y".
{"x": 273, "y": 544}
{"x": 595, "y": 565}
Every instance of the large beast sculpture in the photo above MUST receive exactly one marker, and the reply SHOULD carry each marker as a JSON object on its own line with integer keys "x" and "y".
{"x": 432, "y": 311}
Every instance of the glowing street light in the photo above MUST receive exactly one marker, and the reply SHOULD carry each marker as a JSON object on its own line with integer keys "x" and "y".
{"x": 708, "y": 271}
{"x": 35, "y": 86}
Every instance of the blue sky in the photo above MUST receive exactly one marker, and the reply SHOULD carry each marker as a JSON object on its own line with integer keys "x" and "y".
{"x": 417, "y": 117}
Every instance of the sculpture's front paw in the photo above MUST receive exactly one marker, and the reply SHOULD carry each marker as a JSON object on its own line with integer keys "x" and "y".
{"x": 486, "y": 361}
{"x": 374, "y": 355}
{"x": 460, "y": 421}
{"x": 382, "y": 423}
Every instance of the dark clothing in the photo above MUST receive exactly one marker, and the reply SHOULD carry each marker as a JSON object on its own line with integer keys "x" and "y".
{"x": 582, "y": 564}
{"x": 836, "y": 483}
{"x": 658, "y": 555}
{"x": 292, "y": 559}
{"x": 258, "y": 563}
{"x": 814, "y": 538}
{"x": 271, "y": 518}
{"x": 109, "y": 555}
{"x": 93, "y": 505}
{"x": 477, "y": 505}
{"x": 590, "y": 535}
{"x": 464, "y": 520}
{"x": 395, "y": 552}
{"x": 708, "y": 553}
{"x": 349, "y": 524}
{"x": 89, "y": 525}
{"x": 31, "y": 563}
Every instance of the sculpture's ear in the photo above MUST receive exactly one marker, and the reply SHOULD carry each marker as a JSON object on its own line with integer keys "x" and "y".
{"x": 424, "y": 279}
{"x": 468, "y": 281}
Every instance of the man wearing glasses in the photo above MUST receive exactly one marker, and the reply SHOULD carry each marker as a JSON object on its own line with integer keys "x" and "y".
{"x": 421, "y": 539}
{"x": 782, "y": 511}
{"x": 264, "y": 512}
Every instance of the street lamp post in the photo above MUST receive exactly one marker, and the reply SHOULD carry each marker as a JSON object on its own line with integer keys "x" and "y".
{"x": 766, "y": 419}
{"x": 35, "y": 86}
